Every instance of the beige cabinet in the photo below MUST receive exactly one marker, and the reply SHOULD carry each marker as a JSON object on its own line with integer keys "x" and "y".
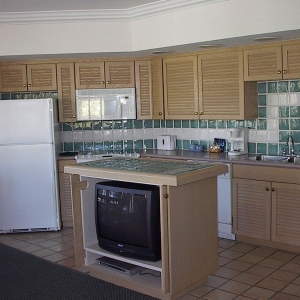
{"x": 149, "y": 89}
{"x": 66, "y": 92}
{"x": 181, "y": 88}
{"x": 97, "y": 75}
{"x": 222, "y": 92}
{"x": 31, "y": 78}
{"x": 272, "y": 63}
{"x": 265, "y": 209}
{"x": 65, "y": 194}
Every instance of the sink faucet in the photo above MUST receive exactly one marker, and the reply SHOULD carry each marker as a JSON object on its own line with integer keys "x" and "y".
{"x": 287, "y": 143}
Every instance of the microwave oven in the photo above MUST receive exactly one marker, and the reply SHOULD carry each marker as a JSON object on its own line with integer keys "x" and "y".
{"x": 105, "y": 104}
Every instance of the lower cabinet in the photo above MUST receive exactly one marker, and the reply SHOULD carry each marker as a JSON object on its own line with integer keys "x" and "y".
{"x": 65, "y": 195}
{"x": 265, "y": 209}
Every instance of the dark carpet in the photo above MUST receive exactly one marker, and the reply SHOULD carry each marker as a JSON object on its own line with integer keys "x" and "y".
{"x": 24, "y": 276}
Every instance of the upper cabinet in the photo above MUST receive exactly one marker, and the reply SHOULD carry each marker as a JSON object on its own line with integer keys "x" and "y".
{"x": 272, "y": 63}
{"x": 66, "y": 92}
{"x": 31, "y": 78}
{"x": 99, "y": 75}
{"x": 149, "y": 89}
{"x": 222, "y": 93}
{"x": 181, "y": 88}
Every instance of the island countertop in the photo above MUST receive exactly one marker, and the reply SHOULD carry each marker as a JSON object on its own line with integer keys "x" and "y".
{"x": 145, "y": 170}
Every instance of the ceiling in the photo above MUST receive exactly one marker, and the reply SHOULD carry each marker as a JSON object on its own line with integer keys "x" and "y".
{"x": 64, "y": 5}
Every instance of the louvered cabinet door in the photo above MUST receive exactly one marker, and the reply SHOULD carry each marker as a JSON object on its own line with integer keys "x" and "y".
{"x": 41, "y": 77}
{"x": 66, "y": 92}
{"x": 149, "y": 89}
{"x": 119, "y": 74}
{"x": 252, "y": 208}
{"x": 90, "y": 75}
{"x": 157, "y": 89}
{"x": 181, "y": 88}
{"x": 65, "y": 194}
{"x": 263, "y": 64}
{"x": 291, "y": 62}
{"x": 286, "y": 213}
{"x": 221, "y": 85}
{"x": 13, "y": 78}
{"x": 143, "y": 90}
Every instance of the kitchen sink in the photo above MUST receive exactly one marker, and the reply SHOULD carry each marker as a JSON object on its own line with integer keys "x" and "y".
{"x": 275, "y": 158}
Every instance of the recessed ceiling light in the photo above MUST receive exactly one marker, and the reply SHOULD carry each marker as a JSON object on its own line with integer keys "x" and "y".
{"x": 266, "y": 38}
{"x": 210, "y": 45}
{"x": 161, "y": 52}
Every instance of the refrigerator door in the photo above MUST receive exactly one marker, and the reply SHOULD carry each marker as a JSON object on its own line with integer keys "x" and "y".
{"x": 28, "y": 194}
{"x": 26, "y": 121}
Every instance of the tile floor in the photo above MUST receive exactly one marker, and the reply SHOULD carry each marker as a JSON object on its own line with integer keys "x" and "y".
{"x": 245, "y": 271}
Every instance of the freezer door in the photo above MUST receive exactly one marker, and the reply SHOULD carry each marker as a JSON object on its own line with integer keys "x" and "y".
{"x": 28, "y": 188}
{"x": 26, "y": 121}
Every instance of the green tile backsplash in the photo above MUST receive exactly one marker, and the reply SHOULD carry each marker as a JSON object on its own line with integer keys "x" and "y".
{"x": 278, "y": 117}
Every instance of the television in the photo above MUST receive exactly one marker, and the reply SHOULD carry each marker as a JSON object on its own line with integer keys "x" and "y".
{"x": 128, "y": 219}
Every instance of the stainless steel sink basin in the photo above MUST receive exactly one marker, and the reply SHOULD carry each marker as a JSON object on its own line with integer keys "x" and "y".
{"x": 275, "y": 158}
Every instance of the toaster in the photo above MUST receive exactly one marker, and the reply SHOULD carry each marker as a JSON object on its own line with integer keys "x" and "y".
{"x": 166, "y": 142}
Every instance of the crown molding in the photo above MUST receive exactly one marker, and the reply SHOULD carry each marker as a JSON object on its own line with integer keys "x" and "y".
{"x": 101, "y": 15}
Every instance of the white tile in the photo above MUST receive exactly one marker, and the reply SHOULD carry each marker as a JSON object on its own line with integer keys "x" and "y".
{"x": 273, "y": 124}
{"x": 148, "y": 134}
{"x": 261, "y": 136}
{"x": 272, "y": 99}
{"x": 138, "y": 134}
{"x": 128, "y": 134}
{"x": 273, "y": 136}
{"x": 294, "y": 99}
{"x": 98, "y": 135}
{"x": 272, "y": 112}
{"x": 107, "y": 135}
{"x": 67, "y": 136}
{"x": 88, "y": 135}
{"x": 118, "y": 134}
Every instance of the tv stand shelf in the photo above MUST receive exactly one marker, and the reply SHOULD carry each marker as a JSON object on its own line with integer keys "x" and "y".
{"x": 188, "y": 217}
{"x": 156, "y": 266}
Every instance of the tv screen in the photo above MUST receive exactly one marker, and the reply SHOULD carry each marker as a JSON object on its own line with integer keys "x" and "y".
{"x": 128, "y": 219}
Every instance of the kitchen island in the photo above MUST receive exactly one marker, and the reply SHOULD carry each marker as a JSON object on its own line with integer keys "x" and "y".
{"x": 188, "y": 217}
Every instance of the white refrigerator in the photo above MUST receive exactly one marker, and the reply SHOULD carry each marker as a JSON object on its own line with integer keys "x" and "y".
{"x": 29, "y": 142}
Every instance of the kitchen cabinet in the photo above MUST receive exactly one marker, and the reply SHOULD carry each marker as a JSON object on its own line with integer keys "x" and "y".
{"x": 66, "y": 92}
{"x": 222, "y": 92}
{"x": 272, "y": 63}
{"x": 99, "y": 75}
{"x": 266, "y": 204}
{"x": 149, "y": 89}
{"x": 65, "y": 195}
{"x": 31, "y": 78}
{"x": 181, "y": 87}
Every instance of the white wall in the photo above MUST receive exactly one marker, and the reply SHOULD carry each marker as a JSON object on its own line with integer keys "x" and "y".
{"x": 227, "y": 19}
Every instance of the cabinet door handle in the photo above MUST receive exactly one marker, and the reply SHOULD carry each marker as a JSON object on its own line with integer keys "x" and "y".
{"x": 107, "y": 82}
{"x": 284, "y": 71}
{"x": 273, "y": 189}
{"x": 200, "y": 113}
{"x": 267, "y": 188}
{"x": 195, "y": 113}
{"x": 160, "y": 113}
{"x": 74, "y": 117}
{"x": 29, "y": 85}
{"x": 24, "y": 85}
{"x": 102, "y": 82}
{"x": 278, "y": 72}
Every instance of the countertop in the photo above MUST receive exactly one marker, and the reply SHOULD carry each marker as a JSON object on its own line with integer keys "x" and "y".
{"x": 145, "y": 170}
{"x": 205, "y": 156}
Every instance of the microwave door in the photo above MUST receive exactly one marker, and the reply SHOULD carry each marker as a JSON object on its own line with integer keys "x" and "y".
{"x": 111, "y": 108}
